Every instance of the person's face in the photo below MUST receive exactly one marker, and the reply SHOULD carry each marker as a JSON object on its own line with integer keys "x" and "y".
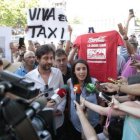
{"x": 80, "y": 71}
{"x": 46, "y": 61}
{"x": 30, "y": 60}
{"x": 61, "y": 62}
{"x": 37, "y": 45}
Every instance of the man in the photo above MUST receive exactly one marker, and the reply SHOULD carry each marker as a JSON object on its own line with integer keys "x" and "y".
{"x": 28, "y": 64}
{"x": 44, "y": 75}
{"x": 61, "y": 62}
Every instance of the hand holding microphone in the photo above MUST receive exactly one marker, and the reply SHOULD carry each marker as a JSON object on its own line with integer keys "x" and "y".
{"x": 59, "y": 94}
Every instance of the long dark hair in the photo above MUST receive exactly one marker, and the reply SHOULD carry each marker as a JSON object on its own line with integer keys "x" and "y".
{"x": 73, "y": 76}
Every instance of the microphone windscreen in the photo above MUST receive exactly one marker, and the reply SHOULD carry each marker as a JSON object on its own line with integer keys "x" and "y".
{"x": 77, "y": 88}
{"x": 90, "y": 87}
{"x": 61, "y": 92}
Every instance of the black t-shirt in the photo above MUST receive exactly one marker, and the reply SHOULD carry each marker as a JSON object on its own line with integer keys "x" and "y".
{"x": 67, "y": 75}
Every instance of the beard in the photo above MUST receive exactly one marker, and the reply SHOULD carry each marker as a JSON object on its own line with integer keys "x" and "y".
{"x": 46, "y": 67}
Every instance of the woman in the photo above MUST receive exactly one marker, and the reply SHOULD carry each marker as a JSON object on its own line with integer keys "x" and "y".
{"x": 81, "y": 78}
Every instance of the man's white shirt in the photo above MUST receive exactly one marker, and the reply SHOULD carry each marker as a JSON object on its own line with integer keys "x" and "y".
{"x": 55, "y": 81}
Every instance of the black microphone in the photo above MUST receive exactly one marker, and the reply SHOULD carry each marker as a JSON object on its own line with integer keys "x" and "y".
{"x": 36, "y": 106}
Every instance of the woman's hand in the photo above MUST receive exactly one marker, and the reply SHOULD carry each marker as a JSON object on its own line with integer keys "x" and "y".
{"x": 79, "y": 108}
{"x": 115, "y": 103}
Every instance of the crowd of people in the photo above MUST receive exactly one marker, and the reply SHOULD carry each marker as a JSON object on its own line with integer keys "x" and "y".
{"x": 91, "y": 118}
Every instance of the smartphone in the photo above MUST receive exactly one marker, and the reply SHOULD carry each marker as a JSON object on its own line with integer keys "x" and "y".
{"x": 99, "y": 87}
{"x": 105, "y": 97}
{"x": 131, "y": 11}
{"x": 21, "y": 42}
{"x": 133, "y": 59}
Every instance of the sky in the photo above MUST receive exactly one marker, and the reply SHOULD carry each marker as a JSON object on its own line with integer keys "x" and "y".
{"x": 102, "y": 14}
{"x": 101, "y": 8}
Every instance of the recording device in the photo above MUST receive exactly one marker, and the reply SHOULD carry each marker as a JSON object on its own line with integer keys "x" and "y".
{"x": 77, "y": 91}
{"x": 131, "y": 11}
{"x": 105, "y": 97}
{"x": 21, "y": 42}
{"x": 17, "y": 85}
{"x": 21, "y": 119}
{"x": 36, "y": 106}
{"x": 133, "y": 60}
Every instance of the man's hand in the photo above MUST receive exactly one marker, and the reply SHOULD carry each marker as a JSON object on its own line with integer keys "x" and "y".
{"x": 51, "y": 103}
{"x": 57, "y": 113}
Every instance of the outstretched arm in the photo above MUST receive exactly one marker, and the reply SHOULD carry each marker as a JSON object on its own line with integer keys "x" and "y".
{"x": 131, "y": 108}
{"x": 124, "y": 32}
{"x": 88, "y": 130}
{"x": 129, "y": 89}
{"x": 101, "y": 110}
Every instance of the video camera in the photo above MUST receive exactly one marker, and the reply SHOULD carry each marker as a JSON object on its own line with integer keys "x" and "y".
{"x": 21, "y": 119}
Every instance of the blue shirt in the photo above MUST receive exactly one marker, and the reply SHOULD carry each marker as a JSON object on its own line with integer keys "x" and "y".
{"x": 92, "y": 116}
{"x": 22, "y": 71}
{"x": 131, "y": 129}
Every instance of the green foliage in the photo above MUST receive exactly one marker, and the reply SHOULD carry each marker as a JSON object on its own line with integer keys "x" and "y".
{"x": 13, "y": 12}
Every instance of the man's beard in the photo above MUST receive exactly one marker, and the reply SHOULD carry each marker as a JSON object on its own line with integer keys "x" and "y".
{"x": 46, "y": 68}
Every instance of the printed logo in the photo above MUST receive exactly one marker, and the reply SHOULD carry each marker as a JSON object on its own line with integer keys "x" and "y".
{"x": 98, "y": 39}
{"x": 99, "y": 53}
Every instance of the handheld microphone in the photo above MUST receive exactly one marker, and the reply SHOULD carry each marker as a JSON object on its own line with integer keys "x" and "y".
{"x": 60, "y": 94}
{"x": 91, "y": 87}
{"x": 97, "y": 87}
{"x": 36, "y": 106}
{"x": 77, "y": 91}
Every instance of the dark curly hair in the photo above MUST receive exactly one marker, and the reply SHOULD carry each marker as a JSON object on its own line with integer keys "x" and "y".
{"x": 44, "y": 49}
{"x": 73, "y": 76}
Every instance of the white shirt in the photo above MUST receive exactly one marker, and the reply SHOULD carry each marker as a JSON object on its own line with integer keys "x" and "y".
{"x": 55, "y": 81}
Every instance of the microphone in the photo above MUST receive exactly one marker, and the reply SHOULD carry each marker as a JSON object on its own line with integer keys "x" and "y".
{"x": 36, "y": 106}
{"x": 77, "y": 91}
{"x": 60, "y": 94}
{"x": 90, "y": 87}
{"x": 97, "y": 87}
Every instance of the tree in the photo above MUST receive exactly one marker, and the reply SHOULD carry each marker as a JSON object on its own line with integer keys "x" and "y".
{"x": 13, "y": 12}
